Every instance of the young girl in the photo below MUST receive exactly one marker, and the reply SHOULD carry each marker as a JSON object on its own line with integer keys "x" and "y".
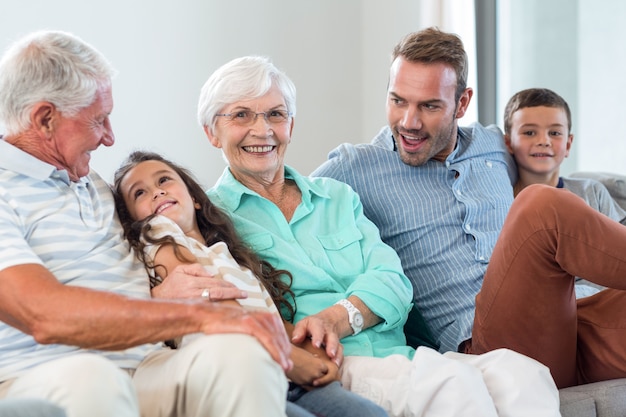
{"x": 169, "y": 220}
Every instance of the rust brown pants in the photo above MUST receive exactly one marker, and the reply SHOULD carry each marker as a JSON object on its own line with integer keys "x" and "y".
{"x": 527, "y": 300}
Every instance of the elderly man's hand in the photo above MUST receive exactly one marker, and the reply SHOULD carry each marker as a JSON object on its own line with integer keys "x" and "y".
{"x": 267, "y": 328}
{"x": 191, "y": 281}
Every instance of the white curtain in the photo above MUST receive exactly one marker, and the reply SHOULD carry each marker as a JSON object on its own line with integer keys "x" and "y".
{"x": 457, "y": 16}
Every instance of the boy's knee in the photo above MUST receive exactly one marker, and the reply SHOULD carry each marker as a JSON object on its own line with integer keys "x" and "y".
{"x": 538, "y": 195}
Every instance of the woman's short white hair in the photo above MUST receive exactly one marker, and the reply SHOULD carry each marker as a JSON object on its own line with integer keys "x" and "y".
{"x": 244, "y": 78}
{"x": 51, "y": 66}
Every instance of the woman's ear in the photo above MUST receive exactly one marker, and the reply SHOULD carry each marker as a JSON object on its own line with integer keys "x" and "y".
{"x": 208, "y": 131}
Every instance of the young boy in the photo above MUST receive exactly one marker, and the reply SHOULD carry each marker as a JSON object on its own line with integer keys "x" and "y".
{"x": 537, "y": 132}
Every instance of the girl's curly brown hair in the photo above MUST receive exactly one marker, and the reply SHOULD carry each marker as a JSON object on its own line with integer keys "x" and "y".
{"x": 215, "y": 226}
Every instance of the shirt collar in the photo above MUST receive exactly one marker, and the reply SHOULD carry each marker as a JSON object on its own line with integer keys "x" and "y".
{"x": 461, "y": 140}
{"x": 232, "y": 192}
{"x": 14, "y": 159}
{"x": 560, "y": 183}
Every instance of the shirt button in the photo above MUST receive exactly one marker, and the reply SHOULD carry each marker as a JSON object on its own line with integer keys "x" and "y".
{"x": 489, "y": 164}
{"x": 458, "y": 192}
{"x": 468, "y": 227}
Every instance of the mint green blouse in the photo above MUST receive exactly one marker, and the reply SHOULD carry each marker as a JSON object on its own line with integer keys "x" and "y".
{"x": 332, "y": 250}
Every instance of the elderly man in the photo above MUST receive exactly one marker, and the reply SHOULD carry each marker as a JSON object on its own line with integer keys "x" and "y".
{"x": 78, "y": 326}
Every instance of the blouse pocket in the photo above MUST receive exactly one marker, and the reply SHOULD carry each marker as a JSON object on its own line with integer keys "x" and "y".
{"x": 262, "y": 244}
{"x": 343, "y": 251}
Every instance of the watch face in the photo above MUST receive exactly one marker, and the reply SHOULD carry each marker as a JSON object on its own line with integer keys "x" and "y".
{"x": 358, "y": 320}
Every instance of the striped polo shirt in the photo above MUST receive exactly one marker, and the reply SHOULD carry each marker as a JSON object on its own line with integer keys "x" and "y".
{"x": 70, "y": 228}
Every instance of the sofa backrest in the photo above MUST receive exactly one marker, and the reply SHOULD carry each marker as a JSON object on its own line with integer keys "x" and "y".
{"x": 615, "y": 183}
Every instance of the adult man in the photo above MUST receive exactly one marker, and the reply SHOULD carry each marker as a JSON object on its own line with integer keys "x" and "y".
{"x": 440, "y": 195}
{"x": 74, "y": 303}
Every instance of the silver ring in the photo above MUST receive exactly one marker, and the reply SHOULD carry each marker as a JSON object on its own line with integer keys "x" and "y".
{"x": 206, "y": 294}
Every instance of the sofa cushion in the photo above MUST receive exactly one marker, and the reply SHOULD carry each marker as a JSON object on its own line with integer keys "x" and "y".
{"x": 600, "y": 399}
{"x": 615, "y": 183}
{"x": 577, "y": 404}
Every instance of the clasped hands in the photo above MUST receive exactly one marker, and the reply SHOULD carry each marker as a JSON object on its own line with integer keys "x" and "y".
{"x": 320, "y": 330}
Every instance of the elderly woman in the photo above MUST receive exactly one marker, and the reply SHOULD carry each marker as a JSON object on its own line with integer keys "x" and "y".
{"x": 349, "y": 286}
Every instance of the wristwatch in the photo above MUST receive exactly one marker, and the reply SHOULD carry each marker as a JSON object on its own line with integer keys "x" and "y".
{"x": 355, "y": 318}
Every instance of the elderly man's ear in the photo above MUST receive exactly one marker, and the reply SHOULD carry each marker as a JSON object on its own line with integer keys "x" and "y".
{"x": 43, "y": 118}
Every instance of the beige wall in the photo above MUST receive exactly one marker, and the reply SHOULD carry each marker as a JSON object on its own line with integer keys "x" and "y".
{"x": 574, "y": 47}
{"x": 335, "y": 51}
{"x": 602, "y": 86}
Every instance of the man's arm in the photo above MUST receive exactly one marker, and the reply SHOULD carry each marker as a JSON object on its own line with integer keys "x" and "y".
{"x": 33, "y": 301}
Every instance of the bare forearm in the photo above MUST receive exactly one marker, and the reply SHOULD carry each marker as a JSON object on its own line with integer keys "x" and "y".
{"x": 100, "y": 320}
{"x": 33, "y": 301}
{"x": 338, "y": 317}
{"x": 369, "y": 318}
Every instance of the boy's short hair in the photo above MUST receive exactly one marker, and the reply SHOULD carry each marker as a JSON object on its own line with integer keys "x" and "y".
{"x": 534, "y": 97}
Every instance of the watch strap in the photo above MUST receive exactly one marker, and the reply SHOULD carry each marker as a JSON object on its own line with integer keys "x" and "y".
{"x": 352, "y": 312}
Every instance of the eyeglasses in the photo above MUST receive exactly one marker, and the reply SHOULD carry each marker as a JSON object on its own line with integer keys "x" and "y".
{"x": 248, "y": 117}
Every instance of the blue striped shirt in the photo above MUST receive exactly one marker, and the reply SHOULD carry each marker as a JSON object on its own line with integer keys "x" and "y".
{"x": 71, "y": 229}
{"x": 443, "y": 219}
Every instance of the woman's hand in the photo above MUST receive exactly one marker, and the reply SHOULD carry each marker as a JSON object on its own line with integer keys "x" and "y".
{"x": 190, "y": 281}
{"x": 322, "y": 331}
{"x": 329, "y": 326}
